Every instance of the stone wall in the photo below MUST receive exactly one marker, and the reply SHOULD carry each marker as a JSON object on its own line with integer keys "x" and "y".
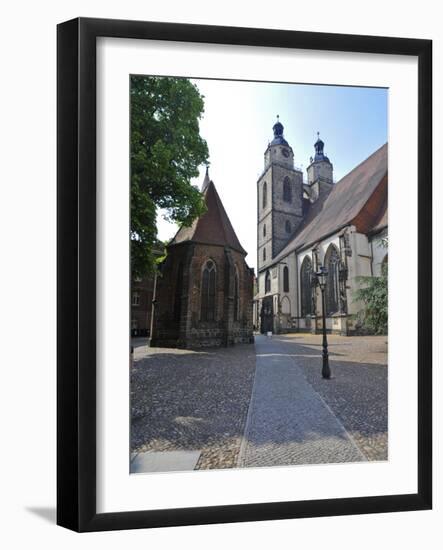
{"x": 287, "y": 307}
{"x": 169, "y": 299}
{"x": 277, "y": 211}
{"x": 285, "y": 211}
{"x": 320, "y": 169}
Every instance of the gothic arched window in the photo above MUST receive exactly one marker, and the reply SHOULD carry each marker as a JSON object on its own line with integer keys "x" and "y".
{"x": 267, "y": 282}
{"x": 236, "y": 295}
{"x": 264, "y": 254}
{"x": 287, "y": 191}
{"x": 288, "y": 226}
{"x": 265, "y": 195}
{"x": 305, "y": 287}
{"x": 286, "y": 279}
{"x": 208, "y": 292}
{"x": 264, "y": 230}
{"x": 286, "y": 305}
{"x": 332, "y": 264}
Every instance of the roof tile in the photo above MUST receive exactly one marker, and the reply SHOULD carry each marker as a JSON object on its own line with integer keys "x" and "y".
{"x": 213, "y": 227}
{"x": 343, "y": 204}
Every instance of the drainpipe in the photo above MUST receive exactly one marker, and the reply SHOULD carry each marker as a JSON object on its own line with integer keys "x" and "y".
{"x": 297, "y": 291}
{"x": 153, "y": 311}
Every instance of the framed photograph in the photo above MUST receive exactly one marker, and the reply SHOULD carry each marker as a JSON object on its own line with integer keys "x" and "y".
{"x": 244, "y": 274}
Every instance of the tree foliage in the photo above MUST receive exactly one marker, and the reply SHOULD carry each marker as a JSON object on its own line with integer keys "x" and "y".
{"x": 166, "y": 152}
{"x": 374, "y": 295}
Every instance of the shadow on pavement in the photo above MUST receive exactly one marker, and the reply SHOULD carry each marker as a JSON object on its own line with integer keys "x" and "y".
{"x": 199, "y": 400}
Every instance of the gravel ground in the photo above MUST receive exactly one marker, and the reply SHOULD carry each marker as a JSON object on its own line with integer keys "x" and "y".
{"x": 191, "y": 400}
{"x": 358, "y": 391}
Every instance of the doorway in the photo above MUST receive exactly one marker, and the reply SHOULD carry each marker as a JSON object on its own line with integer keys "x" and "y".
{"x": 267, "y": 315}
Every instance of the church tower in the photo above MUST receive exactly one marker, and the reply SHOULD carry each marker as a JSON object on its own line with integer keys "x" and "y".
{"x": 319, "y": 171}
{"x": 279, "y": 198}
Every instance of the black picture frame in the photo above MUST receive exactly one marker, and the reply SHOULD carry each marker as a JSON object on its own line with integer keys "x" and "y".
{"x": 76, "y": 265}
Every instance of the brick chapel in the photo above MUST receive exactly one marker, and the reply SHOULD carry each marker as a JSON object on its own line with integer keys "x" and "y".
{"x": 204, "y": 290}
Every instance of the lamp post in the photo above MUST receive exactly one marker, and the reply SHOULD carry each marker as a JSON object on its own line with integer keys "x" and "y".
{"x": 321, "y": 278}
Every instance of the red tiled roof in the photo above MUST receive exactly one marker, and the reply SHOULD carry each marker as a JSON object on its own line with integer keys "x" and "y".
{"x": 359, "y": 196}
{"x": 213, "y": 227}
{"x": 382, "y": 220}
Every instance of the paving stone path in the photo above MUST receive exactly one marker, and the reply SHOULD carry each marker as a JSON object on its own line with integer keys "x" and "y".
{"x": 288, "y": 421}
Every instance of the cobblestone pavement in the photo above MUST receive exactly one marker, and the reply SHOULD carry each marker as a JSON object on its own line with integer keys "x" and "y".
{"x": 358, "y": 390}
{"x": 191, "y": 400}
{"x": 288, "y": 422}
{"x": 198, "y": 400}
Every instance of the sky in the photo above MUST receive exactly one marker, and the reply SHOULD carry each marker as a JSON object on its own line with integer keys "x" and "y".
{"x": 237, "y": 125}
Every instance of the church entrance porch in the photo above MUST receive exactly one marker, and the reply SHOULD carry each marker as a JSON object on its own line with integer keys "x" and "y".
{"x": 267, "y": 315}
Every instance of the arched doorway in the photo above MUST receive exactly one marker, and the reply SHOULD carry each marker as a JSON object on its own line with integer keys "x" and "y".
{"x": 267, "y": 315}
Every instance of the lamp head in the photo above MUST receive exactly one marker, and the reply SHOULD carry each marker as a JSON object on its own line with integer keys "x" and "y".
{"x": 322, "y": 274}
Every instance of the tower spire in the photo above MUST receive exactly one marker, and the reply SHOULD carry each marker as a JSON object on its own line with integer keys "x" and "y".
{"x": 207, "y": 180}
{"x": 319, "y": 146}
{"x": 278, "y": 133}
{"x": 320, "y": 169}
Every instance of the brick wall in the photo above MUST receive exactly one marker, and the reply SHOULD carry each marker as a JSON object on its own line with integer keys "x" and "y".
{"x": 141, "y": 313}
{"x": 181, "y": 325}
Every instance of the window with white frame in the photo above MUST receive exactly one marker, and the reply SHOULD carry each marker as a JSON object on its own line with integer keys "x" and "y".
{"x": 136, "y": 298}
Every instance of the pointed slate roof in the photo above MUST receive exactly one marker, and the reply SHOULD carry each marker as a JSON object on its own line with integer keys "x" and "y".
{"x": 213, "y": 227}
{"x": 358, "y": 199}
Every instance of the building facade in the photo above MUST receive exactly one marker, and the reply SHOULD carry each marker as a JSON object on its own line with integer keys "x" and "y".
{"x": 204, "y": 291}
{"x": 341, "y": 226}
{"x": 142, "y": 293}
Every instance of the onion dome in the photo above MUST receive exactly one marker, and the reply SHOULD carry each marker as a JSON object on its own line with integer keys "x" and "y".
{"x": 319, "y": 147}
{"x": 278, "y": 134}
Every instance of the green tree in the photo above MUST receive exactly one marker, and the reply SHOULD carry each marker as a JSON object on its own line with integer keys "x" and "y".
{"x": 374, "y": 295}
{"x": 166, "y": 152}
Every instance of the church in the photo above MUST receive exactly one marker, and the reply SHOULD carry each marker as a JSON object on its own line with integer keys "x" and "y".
{"x": 305, "y": 225}
{"x": 204, "y": 290}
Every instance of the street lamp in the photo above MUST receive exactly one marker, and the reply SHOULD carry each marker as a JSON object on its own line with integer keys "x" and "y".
{"x": 321, "y": 279}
